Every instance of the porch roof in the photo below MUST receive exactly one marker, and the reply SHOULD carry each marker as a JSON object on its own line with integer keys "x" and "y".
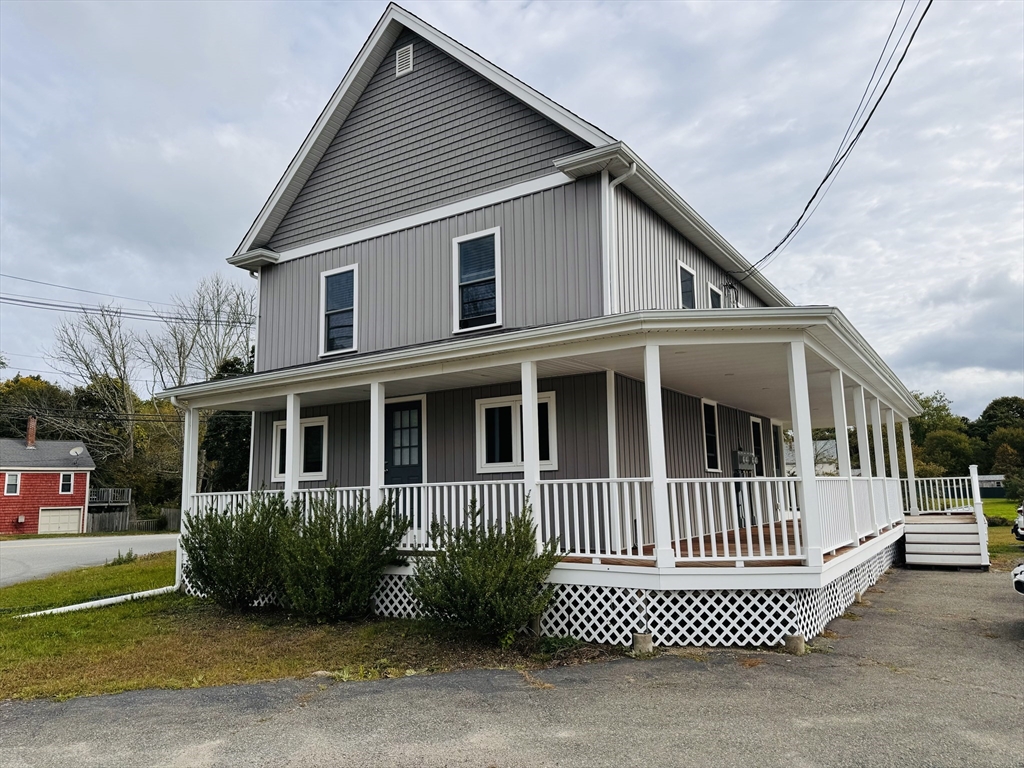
{"x": 734, "y": 356}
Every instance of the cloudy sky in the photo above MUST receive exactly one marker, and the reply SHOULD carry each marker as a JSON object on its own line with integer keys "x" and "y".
{"x": 139, "y": 140}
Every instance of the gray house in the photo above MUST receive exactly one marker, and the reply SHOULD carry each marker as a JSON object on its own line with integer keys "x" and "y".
{"x": 468, "y": 292}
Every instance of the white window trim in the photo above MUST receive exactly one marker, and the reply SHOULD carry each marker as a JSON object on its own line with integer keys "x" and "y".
{"x": 712, "y": 288}
{"x": 7, "y": 480}
{"x": 704, "y": 432}
{"x": 753, "y": 445}
{"x": 60, "y": 484}
{"x": 354, "y": 269}
{"x": 516, "y": 402}
{"x": 276, "y": 452}
{"x": 456, "y": 303}
{"x": 423, "y": 427}
{"x": 679, "y": 286}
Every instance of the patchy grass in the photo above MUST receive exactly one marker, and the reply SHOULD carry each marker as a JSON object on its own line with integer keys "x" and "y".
{"x": 174, "y": 641}
{"x": 1004, "y": 550}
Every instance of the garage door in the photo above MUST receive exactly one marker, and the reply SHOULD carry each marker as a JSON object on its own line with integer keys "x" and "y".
{"x": 63, "y": 520}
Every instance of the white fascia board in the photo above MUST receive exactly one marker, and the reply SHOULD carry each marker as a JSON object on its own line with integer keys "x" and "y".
{"x": 254, "y": 259}
{"x": 424, "y": 217}
{"x": 653, "y": 190}
{"x": 348, "y": 92}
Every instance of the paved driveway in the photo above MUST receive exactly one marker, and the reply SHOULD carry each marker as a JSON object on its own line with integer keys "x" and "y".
{"x": 930, "y": 675}
{"x": 24, "y": 559}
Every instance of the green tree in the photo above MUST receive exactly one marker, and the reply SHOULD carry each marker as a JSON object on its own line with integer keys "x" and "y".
{"x": 1013, "y": 437}
{"x": 1003, "y": 412}
{"x": 226, "y": 441}
{"x": 24, "y": 396}
{"x": 953, "y": 451}
{"x": 1007, "y": 460}
{"x": 936, "y": 415}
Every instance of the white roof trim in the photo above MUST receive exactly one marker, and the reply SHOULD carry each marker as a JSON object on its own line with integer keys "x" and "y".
{"x": 666, "y": 202}
{"x": 391, "y": 24}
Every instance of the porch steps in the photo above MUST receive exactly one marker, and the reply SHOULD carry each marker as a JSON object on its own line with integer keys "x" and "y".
{"x": 944, "y": 540}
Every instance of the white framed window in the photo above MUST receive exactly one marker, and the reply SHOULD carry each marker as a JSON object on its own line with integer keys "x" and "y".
{"x": 757, "y": 440}
{"x": 339, "y": 293}
{"x": 712, "y": 454}
{"x": 12, "y": 484}
{"x": 312, "y": 449}
{"x": 687, "y": 287}
{"x": 476, "y": 281}
{"x": 714, "y": 297}
{"x": 499, "y": 433}
{"x": 67, "y": 482}
{"x": 777, "y": 452}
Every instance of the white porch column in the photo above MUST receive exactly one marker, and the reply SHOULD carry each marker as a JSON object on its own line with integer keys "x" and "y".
{"x": 531, "y": 444}
{"x": 875, "y": 411}
{"x": 890, "y": 434}
{"x": 293, "y": 444}
{"x": 908, "y": 452}
{"x": 664, "y": 557}
{"x": 803, "y": 447}
{"x": 860, "y": 415}
{"x": 613, "y": 438}
{"x": 190, "y": 458}
{"x": 843, "y": 448}
{"x": 376, "y": 444}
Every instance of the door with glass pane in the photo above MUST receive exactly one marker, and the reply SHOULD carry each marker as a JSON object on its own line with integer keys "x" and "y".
{"x": 403, "y": 443}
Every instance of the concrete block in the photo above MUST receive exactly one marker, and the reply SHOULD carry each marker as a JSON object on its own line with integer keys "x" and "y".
{"x": 796, "y": 645}
{"x": 643, "y": 643}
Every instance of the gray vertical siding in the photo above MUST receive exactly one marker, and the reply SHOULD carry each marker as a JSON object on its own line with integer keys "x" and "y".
{"x": 439, "y": 134}
{"x": 684, "y": 435}
{"x": 648, "y": 252}
{"x": 551, "y": 273}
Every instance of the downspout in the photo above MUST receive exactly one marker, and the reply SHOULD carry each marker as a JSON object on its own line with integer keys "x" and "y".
{"x": 613, "y": 245}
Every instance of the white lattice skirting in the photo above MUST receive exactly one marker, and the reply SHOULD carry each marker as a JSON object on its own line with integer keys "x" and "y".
{"x": 693, "y": 617}
{"x": 677, "y": 617}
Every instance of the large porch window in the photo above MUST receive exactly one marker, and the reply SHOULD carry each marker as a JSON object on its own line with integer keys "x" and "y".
{"x": 499, "y": 431}
{"x": 313, "y": 449}
{"x": 712, "y": 460}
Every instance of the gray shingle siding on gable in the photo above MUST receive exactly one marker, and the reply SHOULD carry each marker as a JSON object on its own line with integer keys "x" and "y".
{"x": 551, "y": 273}
{"x": 649, "y": 249}
{"x": 439, "y": 134}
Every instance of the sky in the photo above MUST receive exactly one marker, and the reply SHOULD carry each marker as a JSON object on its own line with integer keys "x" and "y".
{"x": 138, "y": 142}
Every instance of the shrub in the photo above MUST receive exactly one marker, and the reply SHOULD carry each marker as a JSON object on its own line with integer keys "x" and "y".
{"x": 332, "y": 560}
{"x": 1014, "y": 485}
{"x": 161, "y": 523}
{"x": 485, "y": 580}
{"x": 232, "y": 557}
{"x": 127, "y": 557}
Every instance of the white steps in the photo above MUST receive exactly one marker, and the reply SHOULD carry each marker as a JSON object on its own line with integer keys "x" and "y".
{"x": 952, "y": 540}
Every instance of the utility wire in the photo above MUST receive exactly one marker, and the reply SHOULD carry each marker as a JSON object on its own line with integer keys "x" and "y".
{"x": 37, "y": 302}
{"x": 83, "y": 290}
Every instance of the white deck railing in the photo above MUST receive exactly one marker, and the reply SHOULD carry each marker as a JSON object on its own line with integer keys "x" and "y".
{"x": 221, "y": 502}
{"x": 733, "y": 519}
{"x": 839, "y": 528}
{"x": 944, "y": 495}
{"x": 597, "y": 517}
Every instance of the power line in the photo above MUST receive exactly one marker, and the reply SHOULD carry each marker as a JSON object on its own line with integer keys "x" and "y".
{"x": 38, "y": 302}
{"x": 83, "y": 290}
{"x": 840, "y": 159}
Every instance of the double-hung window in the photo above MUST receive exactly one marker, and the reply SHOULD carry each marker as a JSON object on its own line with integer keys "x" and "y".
{"x": 476, "y": 275}
{"x": 12, "y": 484}
{"x": 338, "y": 293}
{"x": 713, "y": 461}
{"x": 687, "y": 289}
{"x": 714, "y": 297}
{"x": 312, "y": 449}
{"x": 67, "y": 482}
{"x": 499, "y": 433}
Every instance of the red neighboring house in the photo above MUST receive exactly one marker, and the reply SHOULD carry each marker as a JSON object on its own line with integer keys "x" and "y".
{"x": 45, "y": 484}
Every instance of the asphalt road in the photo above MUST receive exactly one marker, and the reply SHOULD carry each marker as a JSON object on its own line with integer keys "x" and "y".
{"x": 931, "y": 674}
{"x": 25, "y": 559}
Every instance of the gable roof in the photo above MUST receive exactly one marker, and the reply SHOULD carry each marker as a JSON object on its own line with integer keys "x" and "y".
{"x": 48, "y": 454}
{"x": 391, "y": 24}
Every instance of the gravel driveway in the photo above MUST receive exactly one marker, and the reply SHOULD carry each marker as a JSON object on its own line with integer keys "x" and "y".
{"x": 930, "y": 674}
{"x": 24, "y": 559}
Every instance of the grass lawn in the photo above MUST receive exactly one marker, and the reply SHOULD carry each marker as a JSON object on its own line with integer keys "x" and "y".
{"x": 1004, "y": 550}
{"x": 174, "y": 641}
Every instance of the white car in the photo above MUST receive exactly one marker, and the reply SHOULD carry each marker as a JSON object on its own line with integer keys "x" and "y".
{"x": 1018, "y": 578}
{"x": 1018, "y": 525}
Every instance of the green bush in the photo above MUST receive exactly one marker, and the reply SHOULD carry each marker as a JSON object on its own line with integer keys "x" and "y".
{"x": 332, "y": 560}
{"x": 490, "y": 582}
{"x": 161, "y": 523}
{"x": 128, "y": 557}
{"x": 1014, "y": 485}
{"x": 232, "y": 557}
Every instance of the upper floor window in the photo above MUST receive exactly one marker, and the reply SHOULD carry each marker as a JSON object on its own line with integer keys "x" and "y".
{"x": 477, "y": 280}
{"x": 12, "y": 484}
{"x": 67, "y": 482}
{"x": 338, "y": 310}
{"x": 714, "y": 297}
{"x": 687, "y": 290}
{"x": 711, "y": 455}
{"x": 499, "y": 433}
{"x": 312, "y": 449}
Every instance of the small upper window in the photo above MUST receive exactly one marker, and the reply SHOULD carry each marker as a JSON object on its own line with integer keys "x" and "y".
{"x": 12, "y": 484}
{"x": 711, "y": 436}
{"x": 499, "y": 425}
{"x": 338, "y": 300}
{"x": 312, "y": 450}
{"x": 67, "y": 482}
{"x": 687, "y": 292}
{"x": 403, "y": 61}
{"x": 477, "y": 278}
{"x": 714, "y": 297}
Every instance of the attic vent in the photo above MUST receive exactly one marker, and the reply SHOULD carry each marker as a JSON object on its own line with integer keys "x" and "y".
{"x": 403, "y": 61}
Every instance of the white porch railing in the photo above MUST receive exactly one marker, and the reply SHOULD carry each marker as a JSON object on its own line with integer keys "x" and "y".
{"x": 341, "y": 498}
{"x": 597, "y": 517}
{"x": 895, "y": 499}
{"x": 838, "y": 527}
{"x": 734, "y": 519}
{"x": 943, "y": 495}
{"x": 862, "y": 507}
{"x": 220, "y": 502}
{"x": 430, "y": 504}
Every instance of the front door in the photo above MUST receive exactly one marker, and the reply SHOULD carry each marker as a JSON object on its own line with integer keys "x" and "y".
{"x": 403, "y": 443}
